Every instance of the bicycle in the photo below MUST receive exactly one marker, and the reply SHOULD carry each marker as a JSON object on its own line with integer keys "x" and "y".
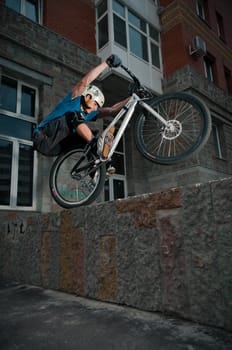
{"x": 167, "y": 129}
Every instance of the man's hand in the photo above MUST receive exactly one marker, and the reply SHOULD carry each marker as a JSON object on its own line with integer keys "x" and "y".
{"x": 113, "y": 61}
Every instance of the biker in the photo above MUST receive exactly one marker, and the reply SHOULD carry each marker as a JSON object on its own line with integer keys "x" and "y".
{"x": 68, "y": 121}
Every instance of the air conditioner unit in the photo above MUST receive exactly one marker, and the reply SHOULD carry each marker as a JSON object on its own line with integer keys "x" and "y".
{"x": 198, "y": 47}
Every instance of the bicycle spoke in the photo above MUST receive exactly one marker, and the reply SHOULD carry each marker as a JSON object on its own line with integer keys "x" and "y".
{"x": 71, "y": 185}
{"x": 187, "y": 128}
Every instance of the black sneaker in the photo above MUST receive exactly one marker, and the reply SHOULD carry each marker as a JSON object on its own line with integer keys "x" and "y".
{"x": 93, "y": 145}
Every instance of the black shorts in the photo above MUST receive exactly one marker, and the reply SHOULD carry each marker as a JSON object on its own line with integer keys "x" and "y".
{"x": 58, "y": 135}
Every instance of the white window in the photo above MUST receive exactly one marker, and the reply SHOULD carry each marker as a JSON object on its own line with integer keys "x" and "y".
{"x": 155, "y": 46}
{"x": 217, "y": 130}
{"x": 18, "y": 115}
{"x": 119, "y": 24}
{"x": 137, "y": 36}
{"x": 102, "y": 20}
{"x": 29, "y": 8}
{"x": 130, "y": 31}
{"x": 116, "y": 186}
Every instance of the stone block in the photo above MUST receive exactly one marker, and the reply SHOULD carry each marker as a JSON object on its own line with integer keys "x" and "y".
{"x": 169, "y": 251}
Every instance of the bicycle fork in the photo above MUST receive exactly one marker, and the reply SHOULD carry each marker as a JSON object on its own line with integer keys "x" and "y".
{"x": 152, "y": 111}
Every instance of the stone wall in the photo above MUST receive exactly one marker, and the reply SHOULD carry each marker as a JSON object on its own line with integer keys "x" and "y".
{"x": 169, "y": 252}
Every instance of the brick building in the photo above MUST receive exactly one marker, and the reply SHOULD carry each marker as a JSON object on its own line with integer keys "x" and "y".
{"x": 196, "y": 38}
{"x": 46, "y": 46}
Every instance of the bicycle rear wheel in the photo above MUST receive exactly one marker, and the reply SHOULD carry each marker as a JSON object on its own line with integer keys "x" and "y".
{"x": 187, "y": 130}
{"x": 73, "y": 189}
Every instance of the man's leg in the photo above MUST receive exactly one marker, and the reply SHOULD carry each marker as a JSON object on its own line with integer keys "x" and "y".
{"x": 85, "y": 132}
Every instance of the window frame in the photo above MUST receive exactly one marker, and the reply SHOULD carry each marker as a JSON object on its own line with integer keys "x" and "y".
{"x": 156, "y": 43}
{"x": 144, "y": 33}
{"x": 216, "y": 140}
{"x": 99, "y": 18}
{"x": 117, "y": 176}
{"x": 22, "y": 9}
{"x": 15, "y": 175}
{"x": 228, "y": 80}
{"x": 110, "y": 182}
{"x": 220, "y": 26}
{"x": 18, "y": 114}
{"x": 209, "y": 68}
{"x": 200, "y": 8}
{"x": 124, "y": 38}
{"x": 16, "y": 142}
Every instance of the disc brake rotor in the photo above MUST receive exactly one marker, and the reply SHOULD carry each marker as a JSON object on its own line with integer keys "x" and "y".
{"x": 172, "y": 130}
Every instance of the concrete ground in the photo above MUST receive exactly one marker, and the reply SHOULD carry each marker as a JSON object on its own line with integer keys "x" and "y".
{"x": 32, "y": 318}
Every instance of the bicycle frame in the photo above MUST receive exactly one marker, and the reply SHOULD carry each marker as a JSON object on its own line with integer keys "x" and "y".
{"x": 127, "y": 112}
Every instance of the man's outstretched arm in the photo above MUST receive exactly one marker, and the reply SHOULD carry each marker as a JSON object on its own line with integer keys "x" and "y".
{"x": 80, "y": 87}
{"x": 113, "y": 110}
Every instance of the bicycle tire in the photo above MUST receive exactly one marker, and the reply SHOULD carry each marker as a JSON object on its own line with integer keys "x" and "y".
{"x": 189, "y": 119}
{"x": 67, "y": 190}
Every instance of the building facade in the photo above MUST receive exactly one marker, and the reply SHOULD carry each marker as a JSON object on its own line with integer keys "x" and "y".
{"x": 196, "y": 41}
{"x": 46, "y": 46}
{"x": 38, "y": 67}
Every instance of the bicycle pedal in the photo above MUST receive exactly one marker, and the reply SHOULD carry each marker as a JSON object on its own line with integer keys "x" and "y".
{"x": 109, "y": 172}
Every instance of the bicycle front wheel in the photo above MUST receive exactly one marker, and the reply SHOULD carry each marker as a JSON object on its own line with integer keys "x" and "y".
{"x": 187, "y": 129}
{"x": 75, "y": 188}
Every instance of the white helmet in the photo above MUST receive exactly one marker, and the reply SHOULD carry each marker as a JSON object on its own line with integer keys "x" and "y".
{"x": 95, "y": 93}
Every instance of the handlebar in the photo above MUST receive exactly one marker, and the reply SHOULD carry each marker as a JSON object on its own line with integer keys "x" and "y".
{"x": 135, "y": 79}
{"x": 138, "y": 88}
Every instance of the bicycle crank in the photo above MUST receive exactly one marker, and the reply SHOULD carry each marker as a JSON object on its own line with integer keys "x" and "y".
{"x": 76, "y": 176}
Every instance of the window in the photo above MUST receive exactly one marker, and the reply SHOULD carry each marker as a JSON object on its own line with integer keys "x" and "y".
{"x": 219, "y": 146}
{"x": 228, "y": 80}
{"x": 220, "y": 26}
{"x": 119, "y": 22}
{"x": 209, "y": 68}
{"x": 155, "y": 49}
{"x": 18, "y": 114}
{"x": 130, "y": 31}
{"x": 29, "y": 8}
{"x": 137, "y": 36}
{"x": 115, "y": 187}
{"x": 6, "y": 148}
{"x": 200, "y": 4}
{"x": 8, "y": 94}
{"x": 25, "y": 175}
{"x": 102, "y": 20}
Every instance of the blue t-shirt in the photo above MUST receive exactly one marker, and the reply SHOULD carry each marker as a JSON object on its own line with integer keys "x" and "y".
{"x": 67, "y": 104}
